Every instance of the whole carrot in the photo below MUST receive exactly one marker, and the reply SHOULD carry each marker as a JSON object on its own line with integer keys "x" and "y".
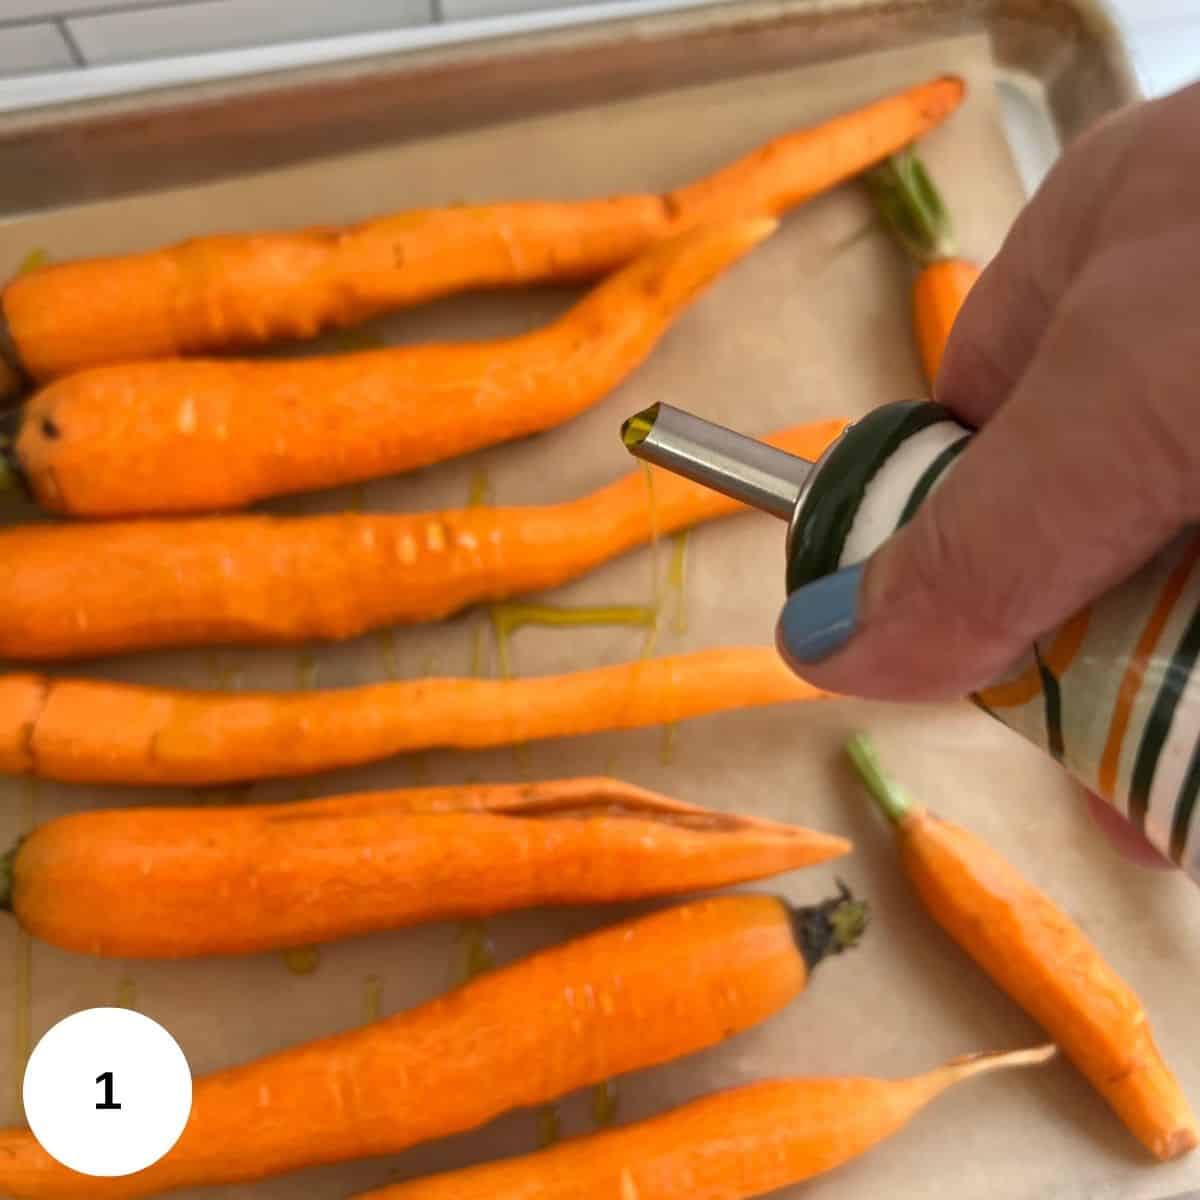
{"x": 728, "y": 1146}
{"x": 231, "y": 292}
{"x": 95, "y": 731}
{"x": 631, "y": 996}
{"x": 77, "y": 590}
{"x": 172, "y": 882}
{"x": 184, "y": 436}
{"x": 912, "y": 206}
{"x": 1042, "y": 959}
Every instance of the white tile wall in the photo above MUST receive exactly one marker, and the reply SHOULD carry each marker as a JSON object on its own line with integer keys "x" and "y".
{"x": 126, "y": 45}
{"x": 19, "y": 10}
{"x": 195, "y": 27}
{"x": 27, "y": 48}
{"x": 466, "y": 10}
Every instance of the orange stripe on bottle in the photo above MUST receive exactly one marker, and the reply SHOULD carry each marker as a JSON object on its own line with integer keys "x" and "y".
{"x": 1135, "y": 671}
{"x": 1061, "y": 654}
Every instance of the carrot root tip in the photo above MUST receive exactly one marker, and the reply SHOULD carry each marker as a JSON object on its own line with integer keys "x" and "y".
{"x": 822, "y": 930}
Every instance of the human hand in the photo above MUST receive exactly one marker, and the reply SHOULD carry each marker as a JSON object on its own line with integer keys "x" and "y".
{"x": 1076, "y": 355}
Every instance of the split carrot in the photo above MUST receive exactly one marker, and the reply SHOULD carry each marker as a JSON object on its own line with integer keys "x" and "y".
{"x": 1042, "y": 959}
{"x": 911, "y": 205}
{"x": 185, "y": 436}
{"x": 77, "y": 590}
{"x": 728, "y": 1146}
{"x": 631, "y": 996}
{"x": 232, "y": 292}
{"x": 171, "y": 882}
{"x": 96, "y": 731}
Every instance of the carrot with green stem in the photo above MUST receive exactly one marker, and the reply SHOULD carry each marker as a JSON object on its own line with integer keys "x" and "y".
{"x": 174, "y": 882}
{"x": 236, "y": 291}
{"x": 1042, "y": 959}
{"x": 912, "y": 207}
{"x": 728, "y": 1146}
{"x": 194, "y": 435}
{"x": 77, "y": 590}
{"x": 96, "y": 731}
{"x": 631, "y": 996}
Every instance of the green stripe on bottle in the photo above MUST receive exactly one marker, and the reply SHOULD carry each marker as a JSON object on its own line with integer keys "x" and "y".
{"x": 932, "y": 474}
{"x": 1052, "y": 694}
{"x": 1184, "y": 807}
{"x": 1158, "y": 724}
{"x": 831, "y": 504}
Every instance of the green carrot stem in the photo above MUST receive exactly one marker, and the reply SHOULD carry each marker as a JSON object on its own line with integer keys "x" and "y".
{"x": 891, "y": 797}
{"x": 912, "y": 207}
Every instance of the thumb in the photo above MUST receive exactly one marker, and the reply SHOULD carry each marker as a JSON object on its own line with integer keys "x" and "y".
{"x": 1075, "y": 482}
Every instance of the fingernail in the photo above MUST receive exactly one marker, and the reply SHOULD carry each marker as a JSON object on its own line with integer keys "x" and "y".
{"x": 820, "y": 617}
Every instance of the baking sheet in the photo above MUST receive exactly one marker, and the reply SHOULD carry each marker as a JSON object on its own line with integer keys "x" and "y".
{"x": 814, "y": 324}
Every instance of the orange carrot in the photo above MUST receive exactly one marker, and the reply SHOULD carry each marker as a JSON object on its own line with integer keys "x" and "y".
{"x": 171, "y": 882}
{"x": 95, "y": 731}
{"x": 77, "y": 590}
{"x": 1043, "y": 960}
{"x": 728, "y": 1146}
{"x": 184, "y": 436}
{"x": 910, "y": 204}
{"x": 231, "y": 292}
{"x": 628, "y": 997}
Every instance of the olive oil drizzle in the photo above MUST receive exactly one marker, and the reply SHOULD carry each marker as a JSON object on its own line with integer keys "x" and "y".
{"x": 475, "y": 953}
{"x": 35, "y": 260}
{"x": 372, "y": 998}
{"x": 604, "y": 1104}
{"x": 676, "y": 580}
{"x": 302, "y": 960}
{"x": 549, "y": 1127}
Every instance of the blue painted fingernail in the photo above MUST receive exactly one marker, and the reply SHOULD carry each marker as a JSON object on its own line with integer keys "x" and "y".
{"x": 820, "y": 617}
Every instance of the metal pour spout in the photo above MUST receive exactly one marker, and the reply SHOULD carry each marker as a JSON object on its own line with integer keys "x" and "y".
{"x": 736, "y": 466}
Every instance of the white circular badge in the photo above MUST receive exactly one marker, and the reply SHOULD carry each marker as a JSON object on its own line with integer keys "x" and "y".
{"x": 107, "y": 1092}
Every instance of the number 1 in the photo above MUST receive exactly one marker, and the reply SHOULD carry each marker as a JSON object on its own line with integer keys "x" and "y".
{"x": 107, "y": 1080}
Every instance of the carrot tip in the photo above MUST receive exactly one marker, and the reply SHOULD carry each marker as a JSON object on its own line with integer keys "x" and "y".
{"x": 1177, "y": 1143}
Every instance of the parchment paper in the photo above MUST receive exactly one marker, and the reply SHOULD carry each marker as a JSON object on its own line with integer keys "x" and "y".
{"x": 815, "y": 323}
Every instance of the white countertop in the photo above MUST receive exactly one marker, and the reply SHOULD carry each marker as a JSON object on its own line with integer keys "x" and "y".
{"x": 53, "y": 50}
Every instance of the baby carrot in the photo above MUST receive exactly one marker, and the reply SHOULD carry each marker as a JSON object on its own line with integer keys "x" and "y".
{"x": 728, "y": 1146}
{"x": 911, "y": 205}
{"x": 631, "y": 996}
{"x": 96, "y": 731}
{"x": 75, "y": 591}
{"x": 231, "y": 292}
{"x": 184, "y": 436}
{"x": 1042, "y": 959}
{"x": 170, "y": 882}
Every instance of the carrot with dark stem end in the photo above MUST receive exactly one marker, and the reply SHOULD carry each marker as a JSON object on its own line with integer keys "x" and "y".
{"x": 77, "y": 590}
{"x": 631, "y": 996}
{"x": 96, "y": 731}
{"x": 231, "y": 292}
{"x": 728, "y": 1146}
{"x": 173, "y": 882}
{"x": 912, "y": 207}
{"x": 1042, "y": 959}
{"x": 188, "y": 436}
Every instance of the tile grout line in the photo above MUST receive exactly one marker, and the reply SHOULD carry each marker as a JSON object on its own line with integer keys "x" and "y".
{"x": 72, "y": 45}
{"x": 67, "y": 13}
